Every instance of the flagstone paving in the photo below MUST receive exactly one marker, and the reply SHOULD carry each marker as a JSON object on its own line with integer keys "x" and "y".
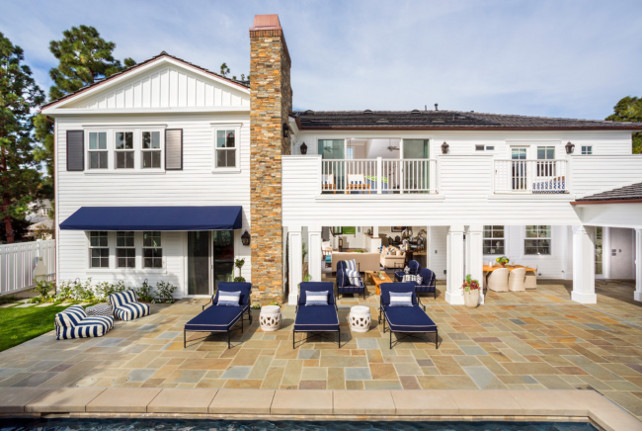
{"x": 529, "y": 340}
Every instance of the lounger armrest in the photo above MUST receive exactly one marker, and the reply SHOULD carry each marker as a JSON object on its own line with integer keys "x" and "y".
{"x": 420, "y": 303}
{"x": 207, "y": 303}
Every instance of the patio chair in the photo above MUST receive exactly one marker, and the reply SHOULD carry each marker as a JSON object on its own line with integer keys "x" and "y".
{"x": 516, "y": 280}
{"x": 413, "y": 269}
{"x": 403, "y": 311}
{"x": 73, "y": 322}
{"x": 316, "y": 310}
{"x": 229, "y": 303}
{"x": 349, "y": 279}
{"x": 126, "y": 305}
{"x": 498, "y": 280}
{"x": 427, "y": 282}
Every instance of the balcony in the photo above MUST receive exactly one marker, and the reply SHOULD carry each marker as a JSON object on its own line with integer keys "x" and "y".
{"x": 531, "y": 176}
{"x": 378, "y": 176}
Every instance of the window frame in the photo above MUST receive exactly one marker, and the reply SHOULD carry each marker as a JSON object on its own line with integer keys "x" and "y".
{"x": 103, "y": 151}
{"x": 586, "y": 150}
{"x": 153, "y": 248}
{"x": 101, "y": 247}
{"x": 128, "y": 248}
{"x": 546, "y": 166}
{"x": 490, "y": 239}
{"x": 236, "y": 128}
{"x": 137, "y": 139}
{"x": 159, "y": 150}
{"x": 118, "y": 151}
{"x": 534, "y": 240}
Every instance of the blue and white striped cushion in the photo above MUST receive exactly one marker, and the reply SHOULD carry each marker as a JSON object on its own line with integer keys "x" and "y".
{"x": 95, "y": 326}
{"x": 131, "y": 311}
{"x": 70, "y": 316}
{"x": 229, "y": 299}
{"x": 353, "y": 273}
{"x": 316, "y": 298}
{"x": 401, "y": 299}
{"x": 126, "y": 297}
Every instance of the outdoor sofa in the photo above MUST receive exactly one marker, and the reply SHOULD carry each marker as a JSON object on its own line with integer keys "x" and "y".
{"x": 73, "y": 322}
{"x": 349, "y": 280}
{"x": 126, "y": 305}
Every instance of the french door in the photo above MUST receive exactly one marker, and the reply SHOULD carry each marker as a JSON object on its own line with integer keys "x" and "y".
{"x": 210, "y": 260}
{"x": 519, "y": 174}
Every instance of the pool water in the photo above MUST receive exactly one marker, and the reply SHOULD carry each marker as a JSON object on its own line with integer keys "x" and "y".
{"x": 227, "y": 425}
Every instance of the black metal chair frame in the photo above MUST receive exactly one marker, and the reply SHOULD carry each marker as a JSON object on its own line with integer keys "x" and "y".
{"x": 249, "y": 314}
{"x": 407, "y": 334}
{"x": 315, "y": 333}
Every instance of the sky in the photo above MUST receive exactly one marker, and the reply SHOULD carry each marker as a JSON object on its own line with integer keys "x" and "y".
{"x": 558, "y": 58}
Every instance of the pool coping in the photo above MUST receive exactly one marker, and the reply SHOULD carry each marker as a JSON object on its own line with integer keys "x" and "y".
{"x": 284, "y": 404}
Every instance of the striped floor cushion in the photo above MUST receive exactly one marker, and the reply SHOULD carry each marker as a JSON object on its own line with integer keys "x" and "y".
{"x": 74, "y": 323}
{"x": 126, "y": 305}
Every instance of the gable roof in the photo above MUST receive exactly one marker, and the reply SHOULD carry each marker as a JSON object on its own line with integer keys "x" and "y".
{"x": 245, "y": 85}
{"x": 445, "y": 120}
{"x": 627, "y": 194}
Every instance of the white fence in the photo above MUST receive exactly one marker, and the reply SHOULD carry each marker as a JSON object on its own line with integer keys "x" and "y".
{"x": 531, "y": 176}
{"x": 18, "y": 263}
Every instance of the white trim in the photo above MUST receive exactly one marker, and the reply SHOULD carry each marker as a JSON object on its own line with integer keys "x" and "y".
{"x": 225, "y": 126}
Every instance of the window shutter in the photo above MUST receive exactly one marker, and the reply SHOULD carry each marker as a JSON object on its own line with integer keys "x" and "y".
{"x": 75, "y": 150}
{"x": 173, "y": 149}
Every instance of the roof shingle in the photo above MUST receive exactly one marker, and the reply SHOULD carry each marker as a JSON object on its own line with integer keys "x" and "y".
{"x": 627, "y": 193}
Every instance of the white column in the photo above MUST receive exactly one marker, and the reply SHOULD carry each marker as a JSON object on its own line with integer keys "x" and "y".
{"x": 583, "y": 266}
{"x": 455, "y": 265}
{"x": 315, "y": 256}
{"x": 295, "y": 262}
{"x": 638, "y": 265}
{"x": 475, "y": 256}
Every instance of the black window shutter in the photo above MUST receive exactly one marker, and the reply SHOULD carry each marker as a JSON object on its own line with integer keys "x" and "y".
{"x": 173, "y": 149}
{"x": 75, "y": 150}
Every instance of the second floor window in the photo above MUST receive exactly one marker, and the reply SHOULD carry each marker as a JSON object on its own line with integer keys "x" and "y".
{"x": 151, "y": 150}
{"x": 225, "y": 149}
{"x": 494, "y": 240}
{"x": 546, "y": 161}
{"x": 124, "y": 150}
{"x": 587, "y": 149}
{"x": 98, "y": 150}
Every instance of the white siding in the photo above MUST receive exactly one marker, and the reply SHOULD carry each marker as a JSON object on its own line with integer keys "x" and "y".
{"x": 594, "y": 174}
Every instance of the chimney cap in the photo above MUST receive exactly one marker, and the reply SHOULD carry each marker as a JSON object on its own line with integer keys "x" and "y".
{"x": 266, "y": 22}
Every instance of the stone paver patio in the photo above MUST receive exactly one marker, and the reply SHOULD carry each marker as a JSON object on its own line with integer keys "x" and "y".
{"x": 530, "y": 340}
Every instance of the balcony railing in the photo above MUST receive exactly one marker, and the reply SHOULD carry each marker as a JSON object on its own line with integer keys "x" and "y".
{"x": 531, "y": 176}
{"x": 379, "y": 176}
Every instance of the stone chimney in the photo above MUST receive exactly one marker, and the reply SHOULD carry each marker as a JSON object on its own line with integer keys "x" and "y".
{"x": 270, "y": 106}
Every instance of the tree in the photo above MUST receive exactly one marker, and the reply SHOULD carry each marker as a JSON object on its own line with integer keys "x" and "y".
{"x": 83, "y": 59}
{"x": 19, "y": 97}
{"x": 629, "y": 109}
{"x": 224, "y": 70}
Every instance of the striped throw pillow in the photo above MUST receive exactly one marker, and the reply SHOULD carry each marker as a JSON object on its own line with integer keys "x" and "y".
{"x": 401, "y": 299}
{"x": 316, "y": 298}
{"x": 229, "y": 299}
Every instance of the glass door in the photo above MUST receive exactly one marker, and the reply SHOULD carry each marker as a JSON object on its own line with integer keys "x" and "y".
{"x": 223, "y": 255}
{"x": 416, "y": 171}
{"x": 333, "y": 173}
{"x": 198, "y": 263}
{"x": 519, "y": 168}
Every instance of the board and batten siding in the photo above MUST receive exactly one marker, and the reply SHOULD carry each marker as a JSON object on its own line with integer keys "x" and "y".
{"x": 197, "y": 184}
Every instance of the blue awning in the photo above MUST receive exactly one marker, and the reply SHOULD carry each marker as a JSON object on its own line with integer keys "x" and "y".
{"x": 155, "y": 218}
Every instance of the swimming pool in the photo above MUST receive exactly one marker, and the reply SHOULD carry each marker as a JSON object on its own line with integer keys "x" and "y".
{"x": 228, "y": 425}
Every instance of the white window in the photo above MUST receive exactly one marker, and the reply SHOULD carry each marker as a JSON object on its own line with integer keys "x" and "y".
{"x": 587, "y": 149}
{"x": 538, "y": 240}
{"x": 152, "y": 250}
{"x": 98, "y": 154}
{"x": 226, "y": 146}
{"x": 546, "y": 161}
{"x": 98, "y": 250}
{"x": 125, "y": 250}
{"x": 494, "y": 240}
{"x": 151, "y": 150}
{"x": 124, "y": 150}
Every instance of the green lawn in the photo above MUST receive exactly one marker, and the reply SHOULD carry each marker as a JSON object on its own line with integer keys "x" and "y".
{"x": 18, "y": 325}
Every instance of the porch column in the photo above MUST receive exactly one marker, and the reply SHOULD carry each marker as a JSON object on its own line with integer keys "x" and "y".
{"x": 638, "y": 265}
{"x": 583, "y": 266}
{"x": 295, "y": 262}
{"x": 475, "y": 256}
{"x": 455, "y": 265}
{"x": 314, "y": 253}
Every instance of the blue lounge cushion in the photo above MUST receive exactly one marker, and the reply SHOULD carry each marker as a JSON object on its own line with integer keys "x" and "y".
{"x": 229, "y": 299}
{"x": 215, "y": 319}
{"x": 401, "y": 299}
{"x": 319, "y": 318}
{"x": 409, "y": 319}
{"x": 316, "y": 298}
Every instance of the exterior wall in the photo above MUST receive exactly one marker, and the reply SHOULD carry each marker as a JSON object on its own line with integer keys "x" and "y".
{"x": 196, "y": 184}
{"x": 271, "y": 102}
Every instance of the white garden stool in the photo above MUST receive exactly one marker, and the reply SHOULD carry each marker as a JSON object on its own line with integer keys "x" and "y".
{"x": 360, "y": 318}
{"x": 270, "y": 318}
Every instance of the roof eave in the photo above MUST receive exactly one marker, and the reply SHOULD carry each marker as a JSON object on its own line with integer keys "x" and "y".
{"x": 608, "y": 201}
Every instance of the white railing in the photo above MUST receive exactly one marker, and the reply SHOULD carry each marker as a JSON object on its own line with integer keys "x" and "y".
{"x": 531, "y": 176}
{"x": 379, "y": 176}
{"x": 18, "y": 263}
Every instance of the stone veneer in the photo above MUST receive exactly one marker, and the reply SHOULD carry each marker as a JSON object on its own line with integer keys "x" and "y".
{"x": 270, "y": 106}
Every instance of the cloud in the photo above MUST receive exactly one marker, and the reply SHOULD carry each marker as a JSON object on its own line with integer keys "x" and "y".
{"x": 559, "y": 58}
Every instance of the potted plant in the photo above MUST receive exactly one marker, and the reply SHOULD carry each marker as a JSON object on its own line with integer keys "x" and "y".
{"x": 502, "y": 260}
{"x": 239, "y": 264}
{"x": 471, "y": 292}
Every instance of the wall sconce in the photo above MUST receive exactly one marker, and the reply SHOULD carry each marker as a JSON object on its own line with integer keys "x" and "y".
{"x": 304, "y": 148}
{"x": 569, "y": 147}
{"x": 286, "y": 130}
{"x": 444, "y": 148}
{"x": 245, "y": 238}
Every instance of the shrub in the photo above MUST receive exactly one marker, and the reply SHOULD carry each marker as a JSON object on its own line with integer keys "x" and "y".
{"x": 165, "y": 292}
{"x": 43, "y": 288}
{"x": 145, "y": 293}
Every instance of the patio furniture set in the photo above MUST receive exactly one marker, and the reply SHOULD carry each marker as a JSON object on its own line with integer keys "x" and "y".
{"x": 509, "y": 278}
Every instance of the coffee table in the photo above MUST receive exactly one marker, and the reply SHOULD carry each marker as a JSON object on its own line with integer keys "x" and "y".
{"x": 376, "y": 280}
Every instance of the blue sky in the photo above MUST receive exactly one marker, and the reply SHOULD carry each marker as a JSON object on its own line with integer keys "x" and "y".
{"x": 551, "y": 58}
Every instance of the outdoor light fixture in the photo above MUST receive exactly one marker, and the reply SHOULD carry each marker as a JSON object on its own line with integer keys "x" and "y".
{"x": 245, "y": 238}
{"x": 444, "y": 148}
{"x": 569, "y": 147}
{"x": 304, "y": 148}
{"x": 286, "y": 130}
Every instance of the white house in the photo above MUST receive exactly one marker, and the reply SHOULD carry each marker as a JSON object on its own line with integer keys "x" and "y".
{"x": 161, "y": 169}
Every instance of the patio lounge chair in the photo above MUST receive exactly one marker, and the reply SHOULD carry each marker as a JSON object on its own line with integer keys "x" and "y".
{"x": 230, "y": 301}
{"x": 413, "y": 269}
{"x": 402, "y": 310}
{"x": 349, "y": 279}
{"x": 316, "y": 310}
{"x": 428, "y": 282}
{"x": 73, "y": 322}
{"x": 126, "y": 305}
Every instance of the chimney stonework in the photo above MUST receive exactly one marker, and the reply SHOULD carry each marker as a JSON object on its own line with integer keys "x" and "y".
{"x": 270, "y": 106}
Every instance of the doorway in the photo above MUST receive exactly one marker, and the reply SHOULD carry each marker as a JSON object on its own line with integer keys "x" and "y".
{"x": 210, "y": 257}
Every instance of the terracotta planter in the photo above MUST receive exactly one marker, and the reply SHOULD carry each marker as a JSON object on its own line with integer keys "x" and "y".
{"x": 471, "y": 298}
{"x": 503, "y": 265}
